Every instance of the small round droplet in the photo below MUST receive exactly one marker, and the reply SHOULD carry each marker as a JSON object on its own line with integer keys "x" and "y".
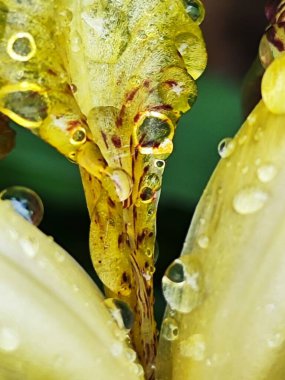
{"x": 169, "y": 329}
{"x": 78, "y": 136}
{"x": 9, "y": 339}
{"x": 137, "y": 369}
{"x": 226, "y": 147}
{"x": 183, "y": 284}
{"x": 117, "y": 349}
{"x": 121, "y": 313}
{"x": 21, "y": 47}
{"x": 130, "y": 355}
{"x": 266, "y": 173}
{"x": 194, "y": 347}
{"x": 249, "y": 200}
{"x": 195, "y": 10}
{"x": 25, "y": 202}
{"x": 275, "y": 341}
{"x": 203, "y": 241}
{"x": 160, "y": 164}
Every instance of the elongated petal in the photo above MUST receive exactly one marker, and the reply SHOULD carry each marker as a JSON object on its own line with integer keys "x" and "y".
{"x": 53, "y": 322}
{"x": 228, "y": 320}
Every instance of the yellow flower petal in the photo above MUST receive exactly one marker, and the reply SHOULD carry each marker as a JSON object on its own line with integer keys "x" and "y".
{"x": 53, "y": 323}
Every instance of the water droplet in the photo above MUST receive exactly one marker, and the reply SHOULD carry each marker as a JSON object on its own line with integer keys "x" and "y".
{"x": 121, "y": 183}
{"x": 160, "y": 164}
{"x": 226, "y": 147}
{"x": 275, "y": 340}
{"x": 154, "y": 133}
{"x": 258, "y": 134}
{"x": 30, "y": 246}
{"x": 150, "y": 185}
{"x": 265, "y": 52}
{"x": 59, "y": 256}
{"x": 266, "y": 173}
{"x": 25, "y": 202}
{"x": 249, "y": 200}
{"x": 169, "y": 329}
{"x": 203, "y": 241}
{"x": 183, "y": 284}
{"x": 116, "y": 349}
{"x": 194, "y": 347}
{"x": 137, "y": 369}
{"x": 130, "y": 355}
{"x": 21, "y": 47}
{"x": 27, "y": 105}
{"x": 78, "y": 136}
{"x": 195, "y": 10}
{"x": 147, "y": 194}
{"x": 121, "y": 313}
{"x": 9, "y": 339}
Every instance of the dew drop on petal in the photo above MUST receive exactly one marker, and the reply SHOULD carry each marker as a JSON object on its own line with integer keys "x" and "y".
{"x": 25, "y": 202}
{"x": 121, "y": 313}
{"x": 117, "y": 349}
{"x": 9, "y": 339}
{"x": 249, "y": 200}
{"x": 169, "y": 329}
{"x": 130, "y": 355}
{"x": 226, "y": 147}
{"x": 183, "y": 284}
{"x": 194, "y": 347}
{"x": 203, "y": 241}
{"x": 266, "y": 173}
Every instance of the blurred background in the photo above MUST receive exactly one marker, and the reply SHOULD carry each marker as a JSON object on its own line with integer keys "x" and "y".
{"x": 232, "y": 33}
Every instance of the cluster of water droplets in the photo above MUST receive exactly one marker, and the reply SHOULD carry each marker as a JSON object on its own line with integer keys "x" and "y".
{"x": 124, "y": 319}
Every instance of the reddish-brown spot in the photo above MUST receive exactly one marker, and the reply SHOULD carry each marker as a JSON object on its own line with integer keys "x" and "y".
{"x": 136, "y": 118}
{"x": 111, "y": 203}
{"x": 72, "y": 124}
{"x": 51, "y": 72}
{"x": 159, "y": 107}
{"x": 116, "y": 141}
{"x": 146, "y": 83}
{"x": 130, "y": 96}
{"x": 171, "y": 83}
{"x": 119, "y": 121}
{"x": 105, "y": 139}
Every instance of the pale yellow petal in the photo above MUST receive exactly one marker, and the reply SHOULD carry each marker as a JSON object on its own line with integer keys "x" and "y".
{"x": 235, "y": 329}
{"x": 53, "y": 323}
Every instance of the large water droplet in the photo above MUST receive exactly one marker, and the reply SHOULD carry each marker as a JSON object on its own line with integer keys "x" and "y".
{"x": 154, "y": 133}
{"x": 194, "y": 347}
{"x": 249, "y": 200}
{"x": 121, "y": 312}
{"x": 25, "y": 202}
{"x": 121, "y": 184}
{"x": 78, "y": 136}
{"x": 169, "y": 329}
{"x": 195, "y": 10}
{"x": 183, "y": 285}
{"x": 130, "y": 355}
{"x": 266, "y": 173}
{"x": 27, "y": 107}
{"x": 226, "y": 147}
{"x": 9, "y": 339}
